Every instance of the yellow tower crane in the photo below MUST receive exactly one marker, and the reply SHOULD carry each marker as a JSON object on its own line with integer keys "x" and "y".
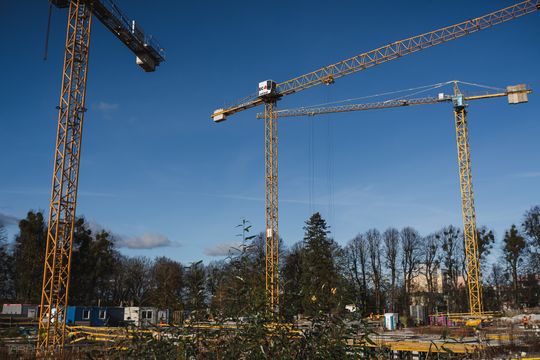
{"x": 516, "y": 95}
{"x": 56, "y": 273}
{"x": 269, "y": 92}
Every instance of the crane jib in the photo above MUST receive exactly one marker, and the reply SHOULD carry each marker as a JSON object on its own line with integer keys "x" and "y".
{"x": 328, "y": 74}
{"x": 516, "y": 94}
{"x": 146, "y": 48}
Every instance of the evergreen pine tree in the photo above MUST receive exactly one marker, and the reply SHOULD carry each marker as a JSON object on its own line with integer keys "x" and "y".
{"x": 28, "y": 257}
{"x": 320, "y": 278}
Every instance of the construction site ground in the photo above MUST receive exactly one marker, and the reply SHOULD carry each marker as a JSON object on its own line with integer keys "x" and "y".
{"x": 501, "y": 336}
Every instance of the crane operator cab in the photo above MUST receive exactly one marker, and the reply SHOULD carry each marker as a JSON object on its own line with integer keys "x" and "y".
{"x": 267, "y": 88}
{"x": 459, "y": 101}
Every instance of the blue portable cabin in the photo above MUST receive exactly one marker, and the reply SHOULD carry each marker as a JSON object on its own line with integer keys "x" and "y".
{"x": 95, "y": 316}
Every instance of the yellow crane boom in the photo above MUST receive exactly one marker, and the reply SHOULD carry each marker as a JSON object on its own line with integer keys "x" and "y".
{"x": 444, "y": 98}
{"x": 269, "y": 92}
{"x": 395, "y": 50}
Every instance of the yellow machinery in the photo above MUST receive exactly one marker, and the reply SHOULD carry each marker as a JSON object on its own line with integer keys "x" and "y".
{"x": 515, "y": 94}
{"x": 269, "y": 92}
{"x": 56, "y": 274}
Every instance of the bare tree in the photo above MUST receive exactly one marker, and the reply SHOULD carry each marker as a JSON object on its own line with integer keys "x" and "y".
{"x": 431, "y": 265}
{"x": 5, "y": 266}
{"x": 138, "y": 279}
{"x": 531, "y": 228}
{"x": 119, "y": 289}
{"x": 373, "y": 237}
{"x": 391, "y": 249}
{"x": 485, "y": 239}
{"x": 357, "y": 258}
{"x": 531, "y": 225}
{"x": 168, "y": 280}
{"x": 514, "y": 249}
{"x": 452, "y": 259}
{"x": 498, "y": 280}
{"x": 195, "y": 281}
{"x": 411, "y": 258}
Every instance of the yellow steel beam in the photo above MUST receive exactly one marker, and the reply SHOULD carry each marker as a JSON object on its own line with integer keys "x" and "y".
{"x": 467, "y": 315}
{"x": 470, "y": 236}
{"x": 423, "y": 346}
{"x": 387, "y": 104}
{"x": 272, "y": 231}
{"x": 56, "y": 273}
{"x": 496, "y": 95}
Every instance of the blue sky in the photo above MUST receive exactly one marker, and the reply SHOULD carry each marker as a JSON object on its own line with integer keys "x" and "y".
{"x": 156, "y": 170}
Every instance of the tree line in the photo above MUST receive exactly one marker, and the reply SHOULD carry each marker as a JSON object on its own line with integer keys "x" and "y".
{"x": 376, "y": 271}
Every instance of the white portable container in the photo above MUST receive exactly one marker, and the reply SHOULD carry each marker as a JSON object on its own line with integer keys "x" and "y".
{"x": 391, "y": 321}
{"x": 141, "y": 316}
{"x": 12, "y": 309}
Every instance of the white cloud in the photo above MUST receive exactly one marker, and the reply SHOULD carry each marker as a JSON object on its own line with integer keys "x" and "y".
{"x": 145, "y": 241}
{"x": 6, "y": 219}
{"x": 97, "y": 194}
{"x": 222, "y": 249}
{"x": 105, "y": 107}
{"x": 527, "y": 175}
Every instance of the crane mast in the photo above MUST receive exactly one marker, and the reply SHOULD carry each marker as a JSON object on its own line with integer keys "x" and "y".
{"x": 56, "y": 273}
{"x": 468, "y": 210}
{"x": 327, "y": 75}
{"x": 63, "y": 202}
{"x": 272, "y": 231}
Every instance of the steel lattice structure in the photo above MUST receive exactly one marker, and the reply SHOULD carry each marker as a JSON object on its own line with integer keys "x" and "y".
{"x": 71, "y": 110}
{"x": 313, "y": 111}
{"x": 468, "y": 210}
{"x": 328, "y": 74}
{"x": 54, "y": 296}
{"x": 321, "y": 110}
{"x": 272, "y": 231}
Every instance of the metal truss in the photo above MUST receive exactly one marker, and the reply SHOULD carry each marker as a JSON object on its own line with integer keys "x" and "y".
{"x": 272, "y": 231}
{"x": 404, "y": 47}
{"x": 470, "y": 235}
{"x": 395, "y": 50}
{"x": 54, "y": 295}
{"x": 313, "y": 111}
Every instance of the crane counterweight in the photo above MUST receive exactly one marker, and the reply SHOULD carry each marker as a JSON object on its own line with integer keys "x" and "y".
{"x": 517, "y": 94}
{"x": 219, "y": 116}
